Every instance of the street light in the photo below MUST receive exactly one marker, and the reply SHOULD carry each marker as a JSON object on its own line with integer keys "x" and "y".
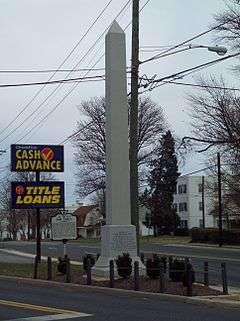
{"x": 220, "y": 50}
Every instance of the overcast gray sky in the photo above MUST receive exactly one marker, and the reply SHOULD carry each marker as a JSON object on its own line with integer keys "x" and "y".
{"x": 39, "y": 34}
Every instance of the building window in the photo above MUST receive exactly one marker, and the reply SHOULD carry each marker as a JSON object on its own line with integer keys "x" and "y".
{"x": 200, "y": 206}
{"x": 182, "y": 207}
{"x": 175, "y": 206}
{"x": 200, "y": 188}
{"x": 182, "y": 189}
{"x": 201, "y": 223}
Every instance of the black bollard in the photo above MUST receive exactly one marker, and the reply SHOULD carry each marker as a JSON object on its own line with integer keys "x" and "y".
{"x": 224, "y": 278}
{"x": 161, "y": 278}
{"x": 136, "y": 276}
{"x": 49, "y": 268}
{"x": 206, "y": 275}
{"x": 68, "y": 270}
{"x": 111, "y": 274}
{"x": 89, "y": 272}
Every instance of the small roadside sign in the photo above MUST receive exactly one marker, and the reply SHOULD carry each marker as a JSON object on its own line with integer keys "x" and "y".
{"x": 64, "y": 227}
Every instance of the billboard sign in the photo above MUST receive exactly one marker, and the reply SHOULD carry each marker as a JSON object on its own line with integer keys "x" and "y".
{"x": 42, "y": 158}
{"x": 64, "y": 227}
{"x": 37, "y": 195}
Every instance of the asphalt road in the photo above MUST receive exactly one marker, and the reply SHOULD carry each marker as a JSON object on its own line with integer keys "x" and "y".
{"x": 197, "y": 254}
{"x": 100, "y": 306}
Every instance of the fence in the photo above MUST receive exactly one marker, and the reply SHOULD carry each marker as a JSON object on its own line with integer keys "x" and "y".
{"x": 159, "y": 276}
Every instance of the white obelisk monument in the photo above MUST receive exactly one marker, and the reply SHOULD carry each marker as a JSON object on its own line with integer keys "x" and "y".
{"x": 118, "y": 236}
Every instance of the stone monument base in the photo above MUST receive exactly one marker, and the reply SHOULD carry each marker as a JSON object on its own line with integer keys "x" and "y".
{"x": 116, "y": 240}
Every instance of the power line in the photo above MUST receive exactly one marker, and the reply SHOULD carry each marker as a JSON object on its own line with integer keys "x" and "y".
{"x": 58, "y": 104}
{"x": 37, "y": 71}
{"x": 201, "y": 86}
{"x": 186, "y": 41}
{"x": 52, "y": 82}
{"x": 88, "y": 124}
{"x": 51, "y": 77}
{"x": 75, "y": 85}
{"x": 185, "y": 72}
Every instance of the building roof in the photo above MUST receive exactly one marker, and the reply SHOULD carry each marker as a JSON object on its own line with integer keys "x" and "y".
{"x": 82, "y": 212}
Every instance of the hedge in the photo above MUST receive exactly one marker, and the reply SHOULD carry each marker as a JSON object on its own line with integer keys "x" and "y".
{"x": 211, "y": 235}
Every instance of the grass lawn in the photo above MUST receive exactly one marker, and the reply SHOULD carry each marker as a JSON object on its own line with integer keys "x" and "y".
{"x": 86, "y": 241}
{"x": 26, "y": 270}
{"x": 165, "y": 239}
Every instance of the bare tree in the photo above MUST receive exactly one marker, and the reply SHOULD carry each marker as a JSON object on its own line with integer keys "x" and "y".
{"x": 90, "y": 141}
{"x": 228, "y": 24}
{"x": 22, "y": 221}
{"x": 215, "y": 118}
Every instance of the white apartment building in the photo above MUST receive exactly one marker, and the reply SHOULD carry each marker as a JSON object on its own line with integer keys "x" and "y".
{"x": 188, "y": 202}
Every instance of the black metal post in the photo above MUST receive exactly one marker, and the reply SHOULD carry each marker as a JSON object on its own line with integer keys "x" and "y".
{"x": 170, "y": 261}
{"x": 49, "y": 268}
{"x": 136, "y": 276}
{"x": 68, "y": 269}
{"x": 111, "y": 274}
{"x": 38, "y": 223}
{"x": 224, "y": 278}
{"x": 189, "y": 279}
{"x": 220, "y": 227}
{"x": 161, "y": 278}
{"x": 89, "y": 272}
{"x": 206, "y": 275}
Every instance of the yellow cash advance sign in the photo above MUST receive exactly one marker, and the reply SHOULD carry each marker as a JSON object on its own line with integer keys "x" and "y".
{"x": 42, "y": 158}
{"x": 37, "y": 195}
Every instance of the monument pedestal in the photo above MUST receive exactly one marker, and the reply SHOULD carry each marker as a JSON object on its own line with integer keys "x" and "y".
{"x": 116, "y": 240}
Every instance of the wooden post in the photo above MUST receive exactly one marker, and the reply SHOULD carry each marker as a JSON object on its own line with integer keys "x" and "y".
{"x": 111, "y": 274}
{"x": 224, "y": 278}
{"x": 35, "y": 274}
{"x": 206, "y": 275}
{"x": 136, "y": 276}
{"x": 133, "y": 150}
{"x": 49, "y": 268}
{"x": 89, "y": 272}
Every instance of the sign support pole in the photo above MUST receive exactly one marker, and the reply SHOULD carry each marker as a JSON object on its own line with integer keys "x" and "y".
{"x": 38, "y": 223}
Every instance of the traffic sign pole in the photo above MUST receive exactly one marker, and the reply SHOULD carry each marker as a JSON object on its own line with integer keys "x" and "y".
{"x": 38, "y": 225}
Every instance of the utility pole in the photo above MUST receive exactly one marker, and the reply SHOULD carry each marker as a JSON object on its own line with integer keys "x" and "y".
{"x": 134, "y": 120}
{"x": 203, "y": 202}
{"x": 220, "y": 227}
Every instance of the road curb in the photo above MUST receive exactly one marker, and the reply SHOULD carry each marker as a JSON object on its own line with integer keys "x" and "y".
{"x": 212, "y": 301}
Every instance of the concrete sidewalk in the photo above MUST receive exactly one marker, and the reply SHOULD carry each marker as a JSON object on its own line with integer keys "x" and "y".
{"x": 13, "y": 256}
